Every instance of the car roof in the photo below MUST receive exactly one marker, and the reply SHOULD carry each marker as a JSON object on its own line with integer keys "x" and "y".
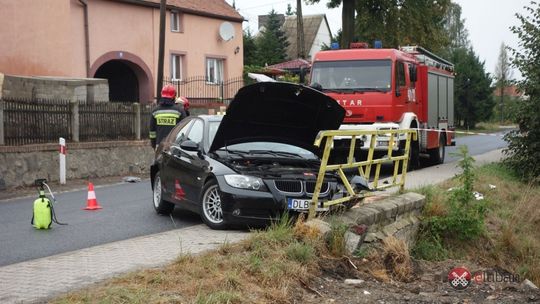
{"x": 210, "y": 117}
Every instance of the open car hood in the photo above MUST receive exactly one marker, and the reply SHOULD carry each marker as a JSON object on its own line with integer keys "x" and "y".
{"x": 278, "y": 112}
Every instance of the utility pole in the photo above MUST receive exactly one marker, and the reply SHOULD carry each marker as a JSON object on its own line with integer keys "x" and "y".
{"x": 161, "y": 52}
{"x": 300, "y": 47}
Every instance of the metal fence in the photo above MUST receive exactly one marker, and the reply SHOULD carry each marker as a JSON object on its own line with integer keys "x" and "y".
{"x": 106, "y": 121}
{"x": 146, "y": 114}
{"x": 36, "y": 121}
{"x": 33, "y": 121}
{"x": 202, "y": 93}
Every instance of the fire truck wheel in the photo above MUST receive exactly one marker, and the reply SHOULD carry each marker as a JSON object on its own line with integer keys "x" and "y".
{"x": 437, "y": 155}
{"x": 414, "y": 156}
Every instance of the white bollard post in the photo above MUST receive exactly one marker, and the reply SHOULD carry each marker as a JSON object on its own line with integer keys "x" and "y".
{"x": 62, "y": 161}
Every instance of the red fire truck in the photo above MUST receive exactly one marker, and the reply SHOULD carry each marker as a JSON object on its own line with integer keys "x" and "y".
{"x": 391, "y": 89}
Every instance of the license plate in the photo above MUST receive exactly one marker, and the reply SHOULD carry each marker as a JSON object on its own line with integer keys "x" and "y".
{"x": 303, "y": 204}
{"x": 298, "y": 204}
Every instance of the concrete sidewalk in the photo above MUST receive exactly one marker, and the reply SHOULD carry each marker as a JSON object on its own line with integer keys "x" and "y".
{"x": 37, "y": 280}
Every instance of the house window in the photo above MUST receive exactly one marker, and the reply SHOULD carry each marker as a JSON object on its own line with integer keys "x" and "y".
{"x": 176, "y": 67}
{"x": 214, "y": 70}
{"x": 175, "y": 22}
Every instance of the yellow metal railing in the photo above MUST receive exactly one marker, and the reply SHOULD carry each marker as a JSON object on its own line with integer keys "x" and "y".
{"x": 364, "y": 167}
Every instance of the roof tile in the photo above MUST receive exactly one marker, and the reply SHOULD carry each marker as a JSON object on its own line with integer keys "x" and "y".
{"x": 206, "y": 7}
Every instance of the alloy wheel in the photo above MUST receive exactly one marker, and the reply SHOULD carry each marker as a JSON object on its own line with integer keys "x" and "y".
{"x": 157, "y": 191}
{"x": 212, "y": 205}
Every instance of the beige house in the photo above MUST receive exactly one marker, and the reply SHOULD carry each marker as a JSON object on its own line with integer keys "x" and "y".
{"x": 118, "y": 40}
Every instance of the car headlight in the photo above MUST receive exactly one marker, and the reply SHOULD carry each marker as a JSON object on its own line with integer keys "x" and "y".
{"x": 244, "y": 182}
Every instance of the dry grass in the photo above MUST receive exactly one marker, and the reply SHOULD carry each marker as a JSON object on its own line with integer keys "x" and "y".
{"x": 482, "y": 127}
{"x": 397, "y": 259}
{"x": 392, "y": 261}
{"x": 263, "y": 269}
{"x": 512, "y": 238}
{"x": 513, "y": 221}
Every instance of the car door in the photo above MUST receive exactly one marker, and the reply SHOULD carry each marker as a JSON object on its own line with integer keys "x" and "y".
{"x": 189, "y": 168}
{"x": 168, "y": 162}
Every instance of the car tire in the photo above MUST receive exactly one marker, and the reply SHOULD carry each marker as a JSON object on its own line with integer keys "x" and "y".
{"x": 210, "y": 206}
{"x": 160, "y": 205}
{"x": 436, "y": 156}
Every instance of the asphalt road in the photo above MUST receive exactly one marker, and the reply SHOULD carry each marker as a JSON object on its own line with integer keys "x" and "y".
{"x": 477, "y": 144}
{"x": 127, "y": 212}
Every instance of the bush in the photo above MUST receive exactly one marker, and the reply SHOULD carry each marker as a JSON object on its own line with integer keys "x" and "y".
{"x": 523, "y": 150}
{"x": 462, "y": 219}
{"x": 335, "y": 239}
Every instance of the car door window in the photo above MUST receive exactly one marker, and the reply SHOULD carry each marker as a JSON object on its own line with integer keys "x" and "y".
{"x": 196, "y": 132}
{"x": 181, "y": 132}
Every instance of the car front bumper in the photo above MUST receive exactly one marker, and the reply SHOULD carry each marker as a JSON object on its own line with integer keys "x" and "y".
{"x": 255, "y": 208}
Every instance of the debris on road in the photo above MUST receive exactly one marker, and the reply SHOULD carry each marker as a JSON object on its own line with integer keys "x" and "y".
{"x": 131, "y": 179}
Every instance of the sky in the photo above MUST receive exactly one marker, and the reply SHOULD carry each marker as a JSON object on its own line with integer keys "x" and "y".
{"x": 488, "y": 21}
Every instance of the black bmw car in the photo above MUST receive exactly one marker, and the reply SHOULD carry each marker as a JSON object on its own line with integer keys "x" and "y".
{"x": 252, "y": 164}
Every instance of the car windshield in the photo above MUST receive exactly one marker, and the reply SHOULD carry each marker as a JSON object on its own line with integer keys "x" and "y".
{"x": 368, "y": 75}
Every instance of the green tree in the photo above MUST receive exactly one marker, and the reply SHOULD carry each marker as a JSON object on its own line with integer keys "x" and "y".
{"x": 403, "y": 22}
{"x": 378, "y": 20}
{"x": 250, "y": 49}
{"x": 271, "y": 43}
{"x": 347, "y": 19}
{"x": 290, "y": 11}
{"x": 421, "y": 22}
{"x": 454, "y": 25}
{"x": 503, "y": 75}
{"x": 474, "y": 100}
{"x": 523, "y": 150}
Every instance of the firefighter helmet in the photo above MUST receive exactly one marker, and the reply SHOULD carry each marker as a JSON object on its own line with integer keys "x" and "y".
{"x": 183, "y": 101}
{"x": 168, "y": 91}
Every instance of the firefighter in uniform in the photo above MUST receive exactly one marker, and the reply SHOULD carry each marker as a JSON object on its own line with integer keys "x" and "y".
{"x": 184, "y": 102}
{"x": 165, "y": 116}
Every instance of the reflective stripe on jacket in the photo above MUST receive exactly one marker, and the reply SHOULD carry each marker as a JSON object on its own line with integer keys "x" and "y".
{"x": 163, "y": 120}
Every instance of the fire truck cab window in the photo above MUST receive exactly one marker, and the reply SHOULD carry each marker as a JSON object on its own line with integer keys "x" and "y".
{"x": 400, "y": 74}
{"x": 369, "y": 75}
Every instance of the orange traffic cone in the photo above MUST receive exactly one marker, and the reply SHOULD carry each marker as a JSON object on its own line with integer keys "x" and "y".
{"x": 91, "y": 203}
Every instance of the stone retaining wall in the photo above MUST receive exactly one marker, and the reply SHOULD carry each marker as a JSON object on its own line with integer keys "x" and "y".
{"x": 393, "y": 216}
{"x": 20, "y": 165}
{"x": 372, "y": 222}
{"x": 76, "y": 89}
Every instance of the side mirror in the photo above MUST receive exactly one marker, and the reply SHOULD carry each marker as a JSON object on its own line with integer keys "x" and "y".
{"x": 189, "y": 145}
{"x": 413, "y": 76}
